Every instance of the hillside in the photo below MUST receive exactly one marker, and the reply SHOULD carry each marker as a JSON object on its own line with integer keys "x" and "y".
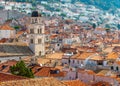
{"x": 107, "y": 5}
{"x": 103, "y": 4}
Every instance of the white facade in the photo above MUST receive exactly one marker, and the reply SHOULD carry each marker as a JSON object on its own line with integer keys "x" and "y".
{"x": 36, "y": 36}
{"x": 7, "y": 34}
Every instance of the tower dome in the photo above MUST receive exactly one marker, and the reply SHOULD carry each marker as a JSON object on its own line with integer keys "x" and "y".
{"x": 35, "y": 14}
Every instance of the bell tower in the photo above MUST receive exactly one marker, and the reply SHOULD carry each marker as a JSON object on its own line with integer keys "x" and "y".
{"x": 36, "y": 34}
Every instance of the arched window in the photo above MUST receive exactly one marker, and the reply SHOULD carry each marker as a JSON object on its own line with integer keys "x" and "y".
{"x": 31, "y": 41}
{"x": 39, "y": 31}
{"x": 39, "y": 41}
{"x": 40, "y": 53}
{"x": 117, "y": 69}
{"x": 36, "y": 20}
{"x": 111, "y": 67}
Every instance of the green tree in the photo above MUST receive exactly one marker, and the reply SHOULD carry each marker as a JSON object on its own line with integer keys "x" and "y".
{"x": 21, "y": 70}
{"x": 94, "y": 25}
{"x": 17, "y": 27}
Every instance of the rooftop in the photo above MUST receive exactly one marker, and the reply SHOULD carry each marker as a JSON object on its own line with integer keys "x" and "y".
{"x": 113, "y": 55}
{"x": 82, "y": 55}
{"x": 55, "y": 56}
{"x": 6, "y": 27}
{"x": 74, "y": 83}
{"x": 14, "y": 49}
{"x": 34, "y": 82}
{"x": 101, "y": 83}
{"x": 9, "y": 77}
{"x": 5, "y": 67}
{"x": 47, "y": 72}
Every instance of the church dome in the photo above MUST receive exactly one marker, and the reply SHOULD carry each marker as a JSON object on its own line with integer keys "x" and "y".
{"x": 35, "y": 14}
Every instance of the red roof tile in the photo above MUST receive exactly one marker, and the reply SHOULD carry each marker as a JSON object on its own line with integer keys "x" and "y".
{"x": 9, "y": 77}
{"x": 6, "y": 27}
{"x": 47, "y": 72}
{"x": 5, "y": 67}
{"x": 74, "y": 83}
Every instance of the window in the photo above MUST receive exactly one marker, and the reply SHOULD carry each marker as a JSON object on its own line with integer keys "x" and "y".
{"x": 39, "y": 31}
{"x": 73, "y": 61}
{"x": 40, "y": 53}
{"x": 58, "y": 44}
{"x": 31, "y": 31}
{"x": 117, "y": 68}
{"x": 39, "y": 41}
{"x": 32, "y": 21}
{"x": 31, "y": 40}
{"x": 35, "y": 20}
{"x": 111, "y": 67}
{"x": 46, "y": 37}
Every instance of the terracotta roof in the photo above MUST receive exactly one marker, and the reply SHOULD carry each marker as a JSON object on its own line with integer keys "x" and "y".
{"x": 90, "y": 71}
{"x": 53, "y": 36}
{"x": 8, "y": 77}
{"x": 113, "y": 55}
{"x": 48, "y": 72}
{"x": 3, "y": 40}
{"x": 101, "y": 83}
{"x": 42, "y": 61}
{"x": 100, "y": 29}
{"x": 117, "y": 62}
{"x": 19, "y": 33}
{"x": 74, "y": 83}
{"x": 5, "y": 67}
{"x": 86, "y": 49}
{"x": 85, "y": 55}
{"x": 55, "y": 56}
{"x": 82, "y": 56}
{"x": 102, "y": 72}
{"x": 116, "y": 48}
{"x": 34, "y": 82}
{"x": 115, "y": 41}
{"x": 69, "y": 50}
{"x": 96, "y": 58}
{"x": 75, "y": 56}
{"x": 6, "y": 27}
{"x": 86, "y": 71}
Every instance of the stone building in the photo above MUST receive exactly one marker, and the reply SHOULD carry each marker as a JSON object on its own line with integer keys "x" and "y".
{"x": 36, "y": 34}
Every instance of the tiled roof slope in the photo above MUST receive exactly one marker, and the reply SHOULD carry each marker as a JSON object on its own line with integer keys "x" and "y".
{"x": 8, "y": 77}
{"x": 101, "y": 84}
{"x": 74, "y": 83}
{"x": 5, "y": 67}
{"x": 14, "y": 50}
{"x": 6, "y": 27}
{"x": 34, "y": 82}
{"x": 47, "y": 72}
